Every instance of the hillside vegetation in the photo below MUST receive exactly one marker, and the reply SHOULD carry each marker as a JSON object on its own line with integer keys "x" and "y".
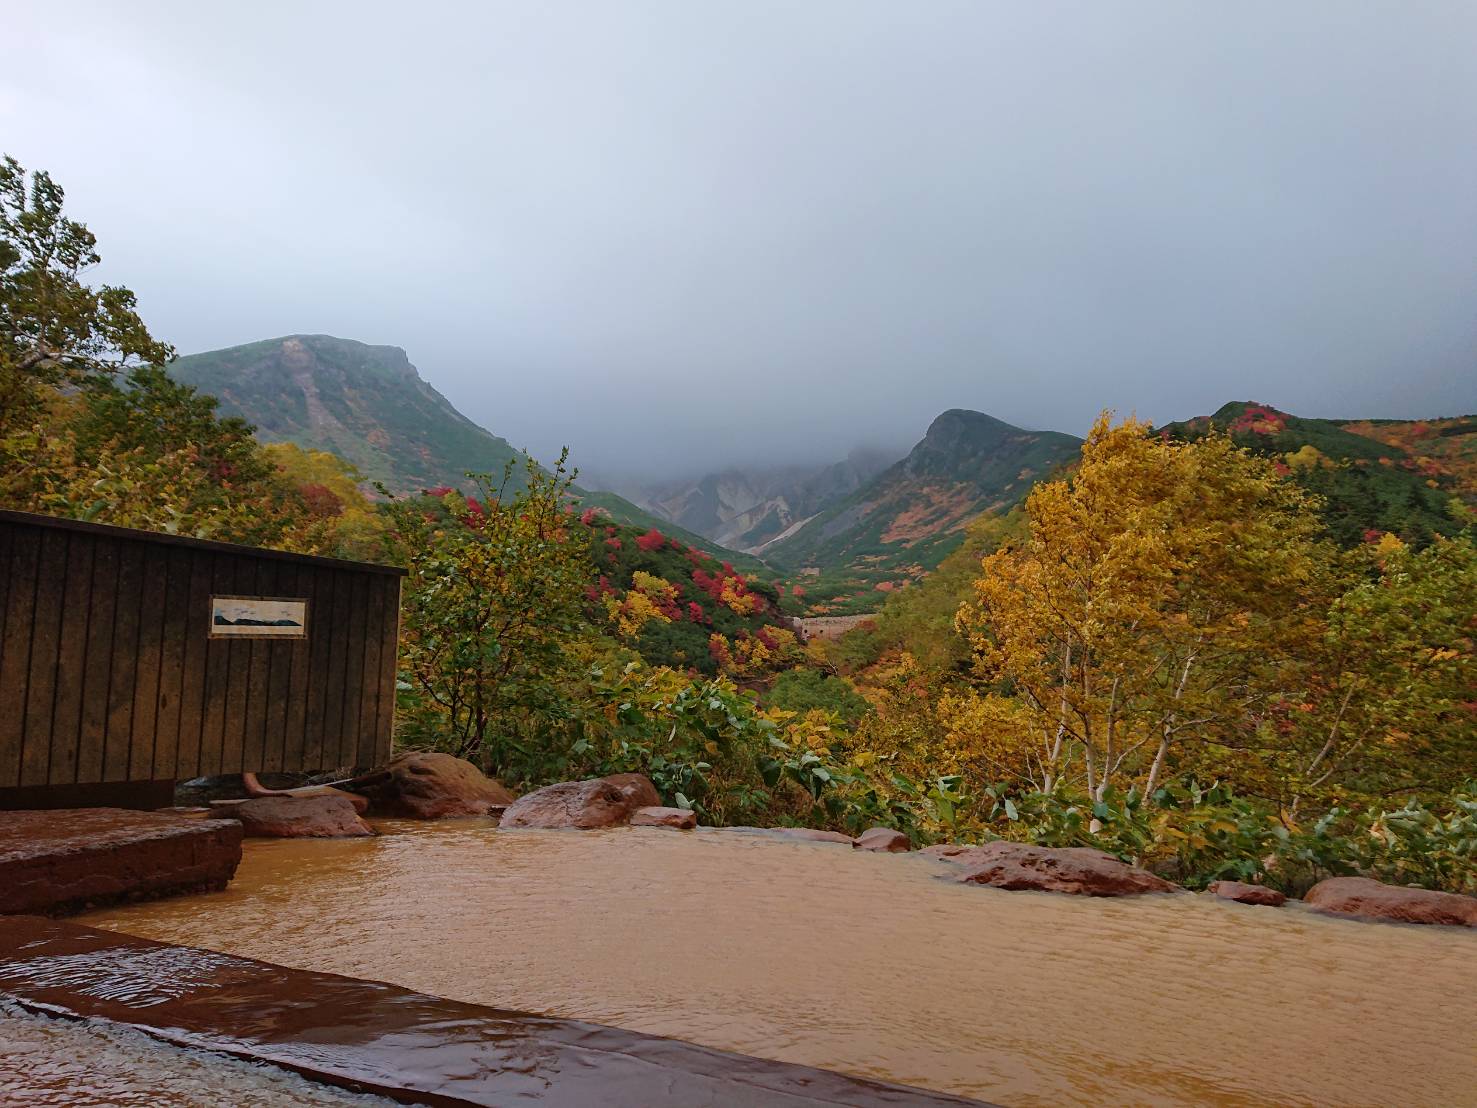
{"x": 1368, "y": 484}
{"x": 1245, "y": 648}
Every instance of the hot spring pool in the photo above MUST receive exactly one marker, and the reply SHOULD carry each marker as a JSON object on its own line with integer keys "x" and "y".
{"x": 865, "y": 963}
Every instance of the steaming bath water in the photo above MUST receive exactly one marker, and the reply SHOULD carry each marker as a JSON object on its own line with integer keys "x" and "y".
{"x": 870, "y": 964}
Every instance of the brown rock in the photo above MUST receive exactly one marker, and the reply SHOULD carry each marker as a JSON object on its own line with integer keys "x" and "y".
{"x": 360, "y": 803}
{"x": 428, "y": 785}
{"x": 882, "y": 839}
{"x": 296, "y": 817}
{"x": 1244, "y": 893}
{"x": 1370, "y": 899}
{"x": 680, "y": 819}
{"x": 586, "y": 805}
{"x": 66, "y": 860}
{"x": 1079, "y": 870}
{"x": 809, "y": 834}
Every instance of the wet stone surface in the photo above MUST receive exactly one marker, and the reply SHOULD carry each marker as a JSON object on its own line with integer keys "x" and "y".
{"x": 376, "y": 1038}
{"x": 65, "y": 860}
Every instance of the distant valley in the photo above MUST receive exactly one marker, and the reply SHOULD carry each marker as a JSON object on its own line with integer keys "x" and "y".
{"x": 752, "y": 509}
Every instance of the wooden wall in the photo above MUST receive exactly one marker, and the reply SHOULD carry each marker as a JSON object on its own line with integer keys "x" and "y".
{"x": 108, "y": 671}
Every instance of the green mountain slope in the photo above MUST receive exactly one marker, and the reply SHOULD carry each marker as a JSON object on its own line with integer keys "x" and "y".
{"x": 366, "y": 404}
{"x": 1368, "y": 486}
{"x": 906, "y": 519}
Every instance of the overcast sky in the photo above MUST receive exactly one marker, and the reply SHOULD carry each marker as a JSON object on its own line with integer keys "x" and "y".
{"x": 685, "y": 234}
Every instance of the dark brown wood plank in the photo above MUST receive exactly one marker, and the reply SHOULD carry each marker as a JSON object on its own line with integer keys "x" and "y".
{"x": 7, "y": 534}
{"x": 238, "y": 665}
{"x": 92, "y": 736}
{"x": 121, "y": 686}
{"x": 335, "y": 628}
{"x": 213, "y": 757}
{"x": 253, "y": 751}
{"x": 171, "y": 662}
{"x": 296, "y": 695}
{"x": 374, "y": 616}
{"x": 389, "y": 656}
{"x": 15, "y": 662}
{"x": 46, "y": 628}
{"x": 193, "y": 672}
{"x": 279, "y": 677}
{"x": 72, "y": 677}
{"x": 149, "y": 656}
{"x": 320, "y": 663}
{"x": 354, "y": 676}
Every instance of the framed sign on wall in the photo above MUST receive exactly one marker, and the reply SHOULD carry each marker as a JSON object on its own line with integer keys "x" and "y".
{"x": 260, "y": 617}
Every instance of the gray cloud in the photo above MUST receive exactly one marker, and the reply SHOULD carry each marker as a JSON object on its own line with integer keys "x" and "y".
{"x": 685, "y": 234}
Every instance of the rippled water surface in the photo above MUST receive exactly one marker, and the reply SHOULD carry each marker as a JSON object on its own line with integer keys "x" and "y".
{"x": 867, "y": 963}
{"x": 57, "y": 1062}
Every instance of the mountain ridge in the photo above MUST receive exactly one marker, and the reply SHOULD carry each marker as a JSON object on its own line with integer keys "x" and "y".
{"x": 369, "y": 405}
{"x": 901, "y": 523}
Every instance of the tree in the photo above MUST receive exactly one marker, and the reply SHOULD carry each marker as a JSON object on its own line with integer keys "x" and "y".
{"x": 91, "y": 425}
{"x": 332, "y": 491}
{"x": 54, "y": 329}
{"x": 1387, "y": 702}
{"x": 1135, "y": 619}
{"x": 494, "y": 596}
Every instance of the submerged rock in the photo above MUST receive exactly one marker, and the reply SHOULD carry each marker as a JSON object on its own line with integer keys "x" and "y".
{"x": 1245, "y": 893}
{"x": 296, "y": 817}
{"x": 585, "y": 805}
{"x": 883, "y": 840}
{"x": 429, "y": 785}
{"x": 1369, "y": 899}
{"x": 680, "y": 819}
{"x": 1079, "y": 870}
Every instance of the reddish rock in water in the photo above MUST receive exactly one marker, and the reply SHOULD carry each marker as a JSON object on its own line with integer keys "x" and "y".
{"x": 296, "y": 817}
{"x": 585, "y": 805}
{"x": 883, "y": 840}
{"x": 1370, "y": 899}
{"x": 1079, "y": 870}
{"x": 809, "y": 834}
{"x": 1245, "y": 893}
{"x": 428, "y": 785}
{"x": 67, "y": 860}
{"x": 680, "y": 819}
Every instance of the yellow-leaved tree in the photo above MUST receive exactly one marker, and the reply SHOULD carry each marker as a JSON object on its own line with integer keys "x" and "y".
{"x": 1135, "y": 624}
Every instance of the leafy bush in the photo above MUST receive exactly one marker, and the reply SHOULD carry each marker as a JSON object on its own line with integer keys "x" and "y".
{"x": 802, "y": 690}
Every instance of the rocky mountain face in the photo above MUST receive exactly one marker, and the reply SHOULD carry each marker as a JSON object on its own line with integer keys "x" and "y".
{"x": 748, "y": 509}
{"x": 367, "y": 404}
{"x": 910, "y": 515}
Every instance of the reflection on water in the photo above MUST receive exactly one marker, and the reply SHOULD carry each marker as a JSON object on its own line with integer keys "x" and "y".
{"x": 47, "y": 1062}
{"x": 867, "y": 963}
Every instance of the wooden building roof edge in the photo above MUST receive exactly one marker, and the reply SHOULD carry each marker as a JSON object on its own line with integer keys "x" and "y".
{"x": 107, "y": 529}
